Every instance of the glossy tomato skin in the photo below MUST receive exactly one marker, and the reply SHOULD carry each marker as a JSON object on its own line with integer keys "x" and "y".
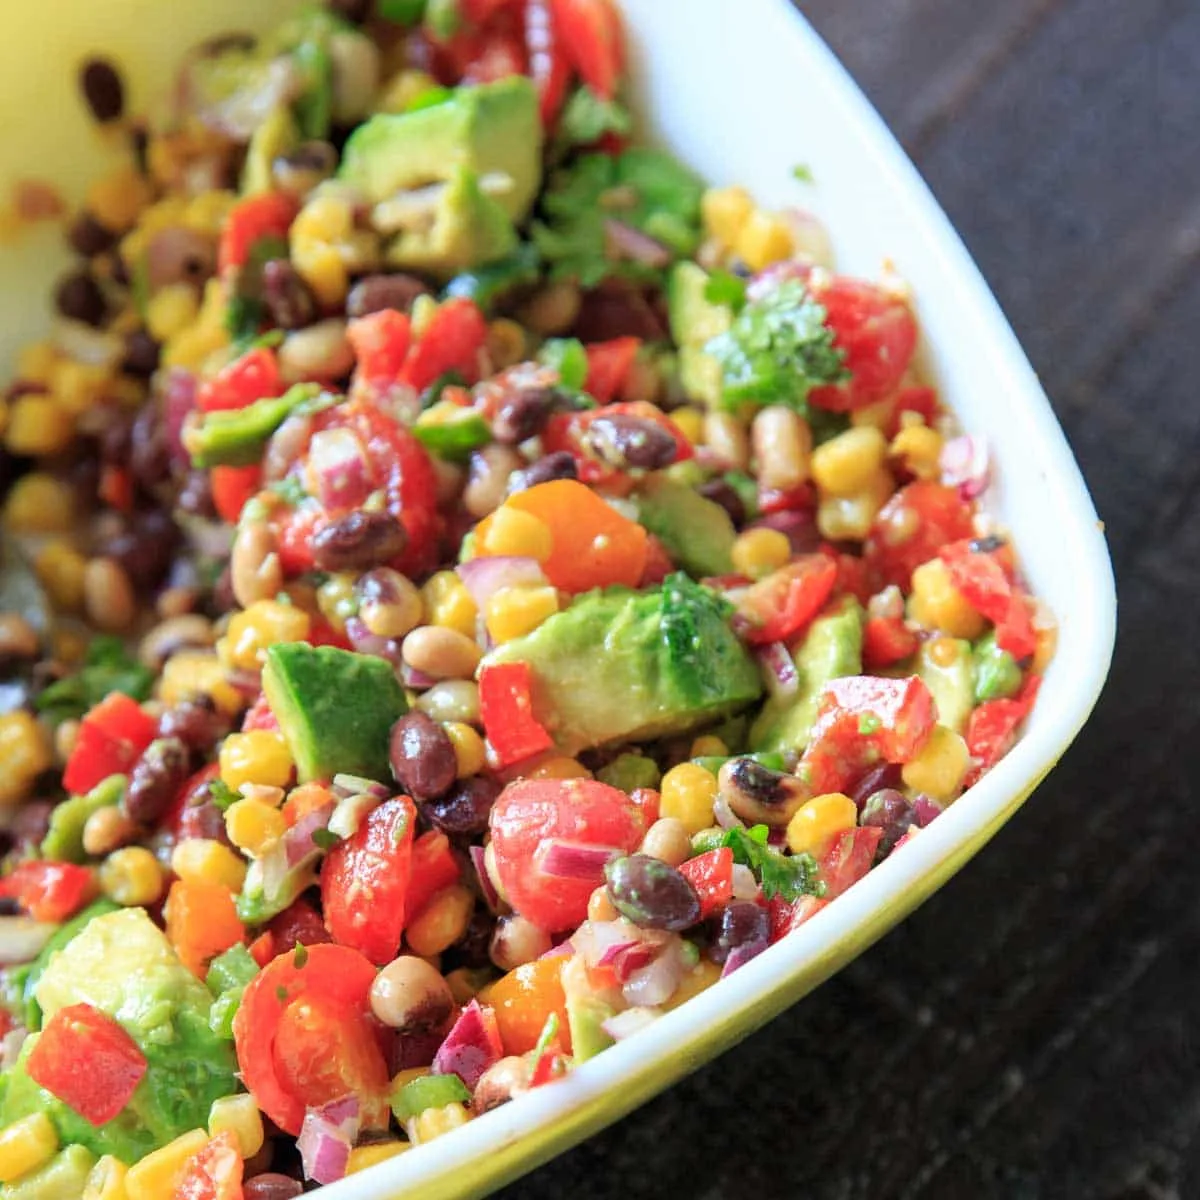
{"x": 530, "y": 813}
{"x": 781, "y": 606}
{"x": 364, "y": 882}
{"x": 398, "y": 466}
{"x": 876, "y": 332}
{"x": 911, "y": 528}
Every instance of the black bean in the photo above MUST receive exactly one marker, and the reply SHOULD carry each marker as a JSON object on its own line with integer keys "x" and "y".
{"x": 139, "y": 146}
{"x": 760, "y": 783}
{"x": 102, "y": 89}
{"x": 201, "y": 818}
{"x": 357, "y": 541}
{"x": 30, "y": 822}
{"x": 465, "y": 808}
{"x": 651, "y": 893}
{"x": 354, "y": 11}
{"x": 471, "y": 950}
{"x": 985, "y": 545}
{"x": 524, "y": 414}
{"x": 740, "y": 923}
{"x": 195, "y": 723}
{"x": 141, "y": 354}
{"x": 88, "y": 238}
{"x": 149, "y": 452}
{"x": 145, "y": 548}
{"x": 559, "y": 465}
{"x": 79, "y": 297}
{"x": 116, "y": 435}
{"x": 422, "y": 756}
{"x": 156, "y": 779}
{"x": 376, "y": 292}
{"x": 890, "y": 811}
{"x": 288, "y": 298}
{"x": 885, "y": 775}
{"x": 628, "y": 442}
{"x": 725, "y": 494}
{"x": 272, "y": 1186}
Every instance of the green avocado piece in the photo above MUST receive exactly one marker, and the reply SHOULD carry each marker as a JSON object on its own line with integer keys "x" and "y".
{"x": 123, "y": 965}
{"x": 831, "y": 648}
{"x": 625, "y": 666}
{"x": 695, "y": 320}
{"x": 953, "y": 686}
{"x": 585, "y": 1019}
{"x": 696, "y": 532}
{"x": 335, "y": 708}
{"x": 236, "y": 437}
{"x": 64, "y": 839}
{"x": 64, "y": 1175}
{"x": 630, "y": 772}
{"x": 997, "y": 675}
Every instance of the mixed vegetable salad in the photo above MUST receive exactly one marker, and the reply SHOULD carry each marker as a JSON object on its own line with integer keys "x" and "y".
{"x": 469, "y": 586}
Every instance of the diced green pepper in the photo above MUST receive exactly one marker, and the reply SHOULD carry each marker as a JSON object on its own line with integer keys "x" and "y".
{"x": 236, "y": 437}
{"x": 64, "y": 839}
{"x": 450, "y": 431}
{"x": 629, "y": 772}
{"x": 997, "y": 675}
{"x": 401, "y": 12}
{"x": 487, "y": 286}
{"x": 568, "y": 357}
{"x": 232, "y": 969}
{"x": 428, "y": 1091}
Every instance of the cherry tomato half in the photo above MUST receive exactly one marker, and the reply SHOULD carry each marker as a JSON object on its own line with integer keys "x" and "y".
{"x": 912, "y": 527}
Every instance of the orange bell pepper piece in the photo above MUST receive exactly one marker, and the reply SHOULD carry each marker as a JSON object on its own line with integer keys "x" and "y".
{"x": 202, "y": 922}
{"x": 522, "y": 1001}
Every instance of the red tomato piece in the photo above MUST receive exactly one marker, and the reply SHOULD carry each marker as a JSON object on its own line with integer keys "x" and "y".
{"x": 785, "y": 917}
{"x": 49, "y": 891}
{"x": 452, "y": 341}
{"x": 887, "y": 641}
{"x": 213, "y": 1173}
{"x": 365, "y": 879}
{"x": 609, "y": 364}
{"x": 251, "y": 377}
{"x": 853, "y": 575}
{"x": 88, "y": 1061}
{"x": 912, "y": 527}
{"x": 591, "y": 37}
{"x": 548, "y": 65}
{"x": 850, "y": 859}
{"x": 564, "y": 431}
{"x": 381, "y": 342}
{"x": 711, "y": 874}
{"x": 530, "y": 813}
{"x": 111, "y": 739}
{"x": 781, "y": 606}
{"x": 992, "y": 727}
{"x": 232, "y": 487}
{"x": 915, "y": 399}
{"x": 506, "y": 708}
{"x": 876, "y": 332}
{"x": 268, "y": 215}
{"x": 321, "y": 1051}
{"x": 433, "y": 867}
{"x": 985, "y": 580}
{"x": 862, "y": 720}
{"x": 499, "y": 54}
{"x": 658, "y": 563}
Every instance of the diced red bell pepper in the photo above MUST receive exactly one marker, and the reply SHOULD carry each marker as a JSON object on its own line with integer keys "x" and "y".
{"x": 268, "y": 215}
{"x": 987, "y": 585}
{"x": 433, "y": 867}
{"x": 381, "y": 342}
{"x": 590, "y": 31}
{"x": 785, "y": 917}
{"x": 849, "y": 859}
{"x": 251, "y": 377}
{"x": 887, "y": 641}
{"x": 802, "y": 499}
{"x": 111, "y": 739}
{"x": 49, "y": 891}
{"x": 711, "y": 875}
{"x": 863, "y": 720}
{"x": 782, "y": 605}
{"x": 232, "y": 487}
{"x": 214, "y": 1172}
{"x": 548, "y": 65}
{"x": 506, "y": 706}
{"x": 992, "y": 727}
{"x": 452, "y": 341}
{"x": 88, "y": 1061}
{"x": 609, "y": 364}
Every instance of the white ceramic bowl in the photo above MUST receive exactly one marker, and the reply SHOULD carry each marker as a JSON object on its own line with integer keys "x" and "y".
{"x": 741, "y": 91}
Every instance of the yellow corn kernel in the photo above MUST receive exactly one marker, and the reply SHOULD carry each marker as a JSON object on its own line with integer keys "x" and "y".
{"x": 263, "y": 624}
{"x": 514, "y": 532}
{"x": 403, "y": 88}
{"x": 725, "y": 211}
{"x": 256, "y": 756}
{"x": 79, "y": 386}
{"x": 191, "y": 346}
{"x": 36, "y": 362}
{"x": 764, "y": 239}
{"x": 559, "y": 766}
{"x": 687, "y": 793}
{"x": 469, "y": 750}
{"x": 846, "y": 464}
{"x": 441, "y": 922}
{"x": 26, "y": 1144}
{"x": 253, "y": 826}
{"x": 194, "y": 673}
{"x": 131, "y": 877}
{"x": 337, "y": 600}
{"x": 238, "y": 1115}
{"x": 170, "y": 310}
{"x": 846, "y": 518}
{"x": 116, "y": 199}
{"x": 206, "y": 213}
{"x": 512, "y": 612}
{"x": 205, "y": 860}
{"x": 158, "y": 1174}
{"x": 106, "y": 1180}
{"x": 39, "y": 503}
{"x": 38, "y": 425}
{"x": 324, "y": 218}
{"x": 690, "y": 422}
{"x": 449, "y": 604}
{"x": 362, "y": 1157}
{"x": 936, "y": 603}
{"x": 758, "y": 552}
{"x": 816, "y": 824}
{"x": 423, "y": 310}
{"x": 321, "y": 267}
{"x": 25, "y": 751}
{"x": 939, "y": 767}
{"x": 918, "y": 448}
{"x": 708, "y": 745}
{"x": 434, "y": 1122}
{"x": 945, "y": 651}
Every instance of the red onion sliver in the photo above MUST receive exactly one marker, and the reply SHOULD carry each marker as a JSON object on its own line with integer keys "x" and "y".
{"x": 574, "y": 860}
{"x": 298, "y": 842}
{"x": 623, "y": 241}
{"x": 745, "y": 886}
{"x": 966, "y": 464}
{"x": 366, "y": 642}
{"x": 339, "y": 474}
{"x": 769, "y": 280}
{"x": 739, "y": 956}
{"x": 779, "y": 671}
{"x": 472, "y": 1045}
{"x": 484, "y": 577}
{"x": 629, "y": 1022}
{"x": 725, "y": 816}
{"x": 344, "y": 1113}
{"x": 324, "y": 1148}
{"x": 344, "y": 786}
{"x": 491, "y": 897}
{"x": 925, "y": 809}
{"x": 656, "y": 983}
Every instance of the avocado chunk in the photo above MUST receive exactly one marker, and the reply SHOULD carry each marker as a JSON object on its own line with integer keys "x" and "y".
{"x": 64, "y": 1175}
{"x": 453, "y": 179}
{"x": 585, "y": 1019}
{"x": 997, "y": 674}
{"x": 696, "y": 532}
{"x": 625, "y": 666}
{"x": 831, "y": 648}
{"x": 336, "y": 709}
{"x": 695, "y": 321}
{"x": 236, "y": 437}
{"x": 64, "y": 839}
{"x": 123, "y": 965}
{"x": 952, "y": 683}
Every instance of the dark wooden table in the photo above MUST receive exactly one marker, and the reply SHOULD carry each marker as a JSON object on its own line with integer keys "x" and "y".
{"x": 1032, "y": 1031}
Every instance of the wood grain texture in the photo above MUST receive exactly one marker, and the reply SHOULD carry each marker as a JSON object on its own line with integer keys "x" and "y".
{"x": 1030, "y": 1033}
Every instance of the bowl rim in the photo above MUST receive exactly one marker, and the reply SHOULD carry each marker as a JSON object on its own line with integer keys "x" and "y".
{"x": 501, "y": 1145}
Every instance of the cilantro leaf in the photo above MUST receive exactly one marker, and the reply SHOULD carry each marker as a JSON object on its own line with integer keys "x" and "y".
{"x": 107, "y": 668}
{"x": 788, "y": 876}
{"x": 221, "y": 794}
{"x": 290, "y": 489}
{"x": 326, "y": 839}
{"x": 587, "y": 117}
{"x": 724, "y": 287}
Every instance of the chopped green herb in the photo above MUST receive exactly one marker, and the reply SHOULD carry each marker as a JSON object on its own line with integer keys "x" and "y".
{"x": 107, "y": 668}
{"x": 433, "y": 393}
{"x": 299, "y": 956}
{"x": 290, "y": 489}
{"x": 568, "y": 357}
{"x": 326, "y": 839}
{"x": 401, "y": 12}
{"x": 724, "y": 287}
{"x": 789, "y": 876}
{"x": 587, "y": 117}
{"x": 221, "y": 794}
{"x": 868, "y": 724}
{"x": 548, "y": 1034}
{"x": 281, "y": 994}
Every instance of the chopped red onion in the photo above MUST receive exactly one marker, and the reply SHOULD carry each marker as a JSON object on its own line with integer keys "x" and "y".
{"x": 656, "y": 983}
{"x": 351, "y": 811}
{"x": 593, "y": 938}
{"x": 562, "y": 950}
{"x": 632, "y": 1020}
{"x": 472, "y": 1045}
{"x": 778, "y": 670}
{"x": 769, "y": 280}
{"x": 366, "y": 642}
{"x": 484, "y": 577}
{"x": 966, "y": 464}
{"x": 339, "y": 474}
{"x": 629, "y": 957}
{"x": 343, "y": 1113}
{"x": 491, "y": 897}
{"x": 739, "y": 956}
{"x": 417, "y": 680}
{"x": 574, "y": 860}
{"x": 725, "y": 816}
{"x": 622, "y": 241}
{"x": 356, "y": 785}
{"x": 324, "y": 1147}
{"x": 22, "y": 938}
{"x": 298, "y": 842}
{"x": 925, "y": 809}
{"x": 745, "y": 886}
